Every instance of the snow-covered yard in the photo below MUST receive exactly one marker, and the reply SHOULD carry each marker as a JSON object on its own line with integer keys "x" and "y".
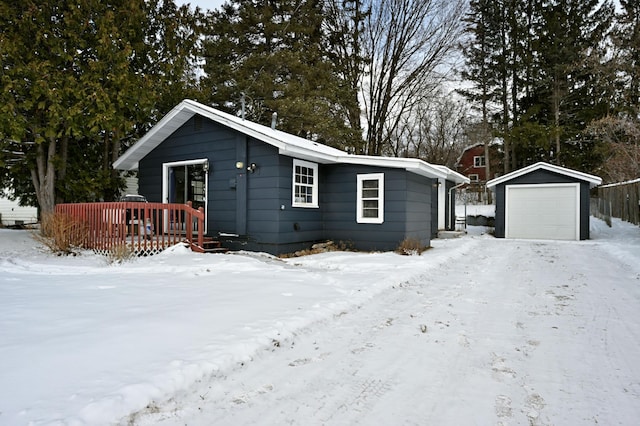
{"x": 477, "y": 330}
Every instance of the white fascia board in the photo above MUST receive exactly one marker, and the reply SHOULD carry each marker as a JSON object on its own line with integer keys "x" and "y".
{"x": 307, "y": 154}
{"x": 154, "y": 137}
{"x": 287, "y": 144}
{"x": 593, "y": 180}
{"x": 453, "y": 175}
{"x": 412, "y": 165}
{"x": 628, "y": 182}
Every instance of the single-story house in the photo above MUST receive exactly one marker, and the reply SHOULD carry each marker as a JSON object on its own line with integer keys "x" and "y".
{"x": 263, "y": 189}
{"x": 543, "y": 201}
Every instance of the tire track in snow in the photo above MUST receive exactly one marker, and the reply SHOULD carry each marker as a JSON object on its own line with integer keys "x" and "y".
{"x": 494, "y": 338}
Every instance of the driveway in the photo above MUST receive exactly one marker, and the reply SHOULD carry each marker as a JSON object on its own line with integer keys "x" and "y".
{"x": 514, "y": 332}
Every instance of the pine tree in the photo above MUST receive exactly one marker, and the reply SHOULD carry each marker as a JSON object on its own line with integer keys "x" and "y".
{"x": 627, "y": 40}
{"x": 486, "y": 68}
{"x": 273, "y": 55}
{"x": 561, "y": 99}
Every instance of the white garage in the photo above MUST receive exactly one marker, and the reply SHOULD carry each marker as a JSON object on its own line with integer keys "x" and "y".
{"x": 543, "y": 201}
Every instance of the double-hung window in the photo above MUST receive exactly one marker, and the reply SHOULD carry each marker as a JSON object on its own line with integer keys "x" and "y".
{"x": 478, "y": 161}
{"x": 370, "y": 199}
{"x": 305, "y": 184}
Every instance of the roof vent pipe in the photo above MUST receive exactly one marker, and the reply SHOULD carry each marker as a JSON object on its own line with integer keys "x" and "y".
{"x": 274, "y": 118}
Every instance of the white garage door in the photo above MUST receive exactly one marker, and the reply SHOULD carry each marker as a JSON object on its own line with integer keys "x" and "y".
{"x": 544, "y": 211}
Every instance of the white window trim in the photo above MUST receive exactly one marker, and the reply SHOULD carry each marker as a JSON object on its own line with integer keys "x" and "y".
{"x": 359, "y": 217}
{"x": 314, "y": 187}
{"x": 478, "y": 157}
{"x": 474, "y": 177}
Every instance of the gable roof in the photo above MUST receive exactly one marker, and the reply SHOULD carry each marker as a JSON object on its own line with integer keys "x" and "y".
{"x": 593, "y": 180}
{"x": 287, "y": 144}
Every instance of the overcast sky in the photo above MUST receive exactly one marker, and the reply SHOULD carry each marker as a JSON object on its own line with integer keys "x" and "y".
{"x": 205, "y": 4}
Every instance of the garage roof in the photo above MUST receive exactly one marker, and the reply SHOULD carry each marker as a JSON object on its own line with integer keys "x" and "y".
{"x": 287, "y": 144}
{"x": 593, "y": 180}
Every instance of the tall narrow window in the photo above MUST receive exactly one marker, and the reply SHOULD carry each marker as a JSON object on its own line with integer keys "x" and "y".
{"x": 305, "y": 184}
{"x": 370, "y": 200}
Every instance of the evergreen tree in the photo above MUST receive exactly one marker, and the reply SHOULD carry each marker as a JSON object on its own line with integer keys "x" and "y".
{"x": 273, "y": 55}
{"x": 78, "y": 82}
{"x": 627, "y": 41}
{"x": 483, "y": 27}
{"x": 344, "y": 22}
{"x": 562, "y": 97}
{"x": 549, "y": 74}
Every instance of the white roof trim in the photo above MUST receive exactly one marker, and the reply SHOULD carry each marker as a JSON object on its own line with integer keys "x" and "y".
{"x": 287, "y": 144}
{"x": 628, "y": 182}
{"x": 593, "y": 180}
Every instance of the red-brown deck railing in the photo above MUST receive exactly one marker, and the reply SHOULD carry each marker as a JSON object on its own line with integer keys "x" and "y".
{"x": 143, "y": 227}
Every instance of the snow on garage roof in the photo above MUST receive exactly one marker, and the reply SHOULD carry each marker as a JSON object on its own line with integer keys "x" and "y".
{"x": 593, "y": 180}
{"x": 287, "y": 144}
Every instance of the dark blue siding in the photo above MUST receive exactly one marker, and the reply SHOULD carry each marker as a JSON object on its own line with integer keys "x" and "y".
{"x": 211, "y": 141}
{"x": 258, "y": 206}
{"x": 542, "y": 176}
{"x": 407, "y": 208}
{"x": 273, "y": 224}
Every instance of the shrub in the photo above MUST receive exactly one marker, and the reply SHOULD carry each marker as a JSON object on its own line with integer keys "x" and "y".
{"x": 62, "y": 233}
{"x": 119, "y": 254}
{"x": 411, "y": 246}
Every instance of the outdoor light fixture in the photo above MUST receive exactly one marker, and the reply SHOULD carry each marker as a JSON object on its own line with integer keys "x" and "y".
{"x": 239, "y": 165}
{"x": 252, "y": 167}
{"x": 205, "y": 166}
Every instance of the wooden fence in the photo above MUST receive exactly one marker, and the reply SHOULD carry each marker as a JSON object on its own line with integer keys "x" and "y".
{"x": 621, "y": 200}
{"x": 143, "y": 228}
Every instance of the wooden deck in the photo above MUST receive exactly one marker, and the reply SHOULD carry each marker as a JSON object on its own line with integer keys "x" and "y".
{"x": 143, "y": 228}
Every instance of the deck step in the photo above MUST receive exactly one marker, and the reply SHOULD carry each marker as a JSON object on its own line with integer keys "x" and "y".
{"x": 211, "y": 245}
{"x": 216, "y": 250}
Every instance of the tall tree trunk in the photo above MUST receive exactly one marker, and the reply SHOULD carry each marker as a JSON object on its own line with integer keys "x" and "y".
{"x": 555, "y": 102}
{"x": 44, "y": 178}
{"x": 62, "y": 170}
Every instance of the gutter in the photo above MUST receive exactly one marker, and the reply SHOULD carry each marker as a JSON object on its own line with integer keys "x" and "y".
{"x": 451, "y": 202}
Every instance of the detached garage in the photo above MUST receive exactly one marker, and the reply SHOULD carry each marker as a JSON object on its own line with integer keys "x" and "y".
{"x": 543, "y": 201}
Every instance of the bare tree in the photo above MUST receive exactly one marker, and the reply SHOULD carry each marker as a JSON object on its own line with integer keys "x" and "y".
{"x": 408, "y": 44}
{"x": 434, "y": 132}
{"x": 620, "y": 148}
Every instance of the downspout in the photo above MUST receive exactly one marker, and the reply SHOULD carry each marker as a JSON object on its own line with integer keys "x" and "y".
{"x": 451, "y": 203}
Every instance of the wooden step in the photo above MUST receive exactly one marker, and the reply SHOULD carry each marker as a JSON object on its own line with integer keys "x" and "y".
{"x": 211, "y": 245}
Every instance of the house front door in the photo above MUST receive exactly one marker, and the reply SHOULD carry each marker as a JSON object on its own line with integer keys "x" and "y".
{"x": 187, "y": 181}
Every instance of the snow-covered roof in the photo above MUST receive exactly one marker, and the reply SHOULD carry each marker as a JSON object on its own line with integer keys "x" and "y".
{"x": 628, "y": 182}
{"x": 593, "y": 180}
{"x": 287, "y": 144}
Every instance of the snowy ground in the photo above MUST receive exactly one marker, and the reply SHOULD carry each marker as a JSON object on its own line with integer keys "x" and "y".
{"x": 477, "y": 330}
{"x": 486, "y": 210}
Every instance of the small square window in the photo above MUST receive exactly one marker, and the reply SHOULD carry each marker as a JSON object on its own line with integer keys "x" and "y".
{"x": 474, "y": 178}
{"x": 478, "y": 161}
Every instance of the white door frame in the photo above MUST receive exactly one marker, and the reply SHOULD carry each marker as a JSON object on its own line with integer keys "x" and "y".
{"x": 165, "y": 185}
{"x": 507, "y": 188}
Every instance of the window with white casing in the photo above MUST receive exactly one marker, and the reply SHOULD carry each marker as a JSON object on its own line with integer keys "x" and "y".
{"x": 305, "y": 184}
{"x": 370, "y": 201}
{"x": 478, "y": 161}
{"x": 474, "y": 177}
